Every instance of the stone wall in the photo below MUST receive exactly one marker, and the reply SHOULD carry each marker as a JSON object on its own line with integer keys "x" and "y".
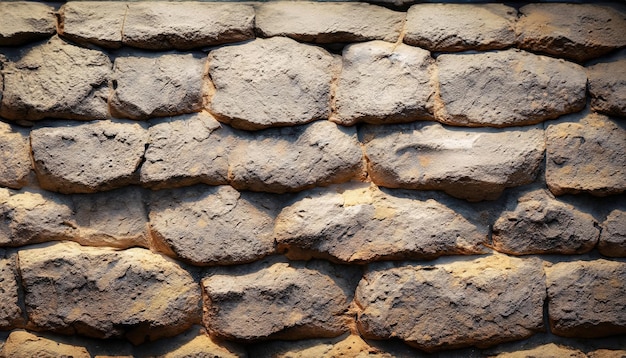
{"x": 312, "y": 179}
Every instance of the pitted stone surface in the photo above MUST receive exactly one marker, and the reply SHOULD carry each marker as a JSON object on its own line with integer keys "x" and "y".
{"x": 88, "y": 157}
{"x": 10, "y": 310}
{"x": 185, "y": 150}
{"x": 329, "y": 22}
{"x": 279, "y": 300}
{"x": 358, "y": 223}
{"x": 536, "y": 223}
{"x": 23, "y": 344}
{"x": 460, "y": 27}
{"x": 97, "y": 22}
{"x": 381, "y": 82}
{"x": 586, "y": 298}
{"x": 56, "y": 79}
{"x": 550, "y": 350}
{"x": 576, "y": 31}
{"x": 473, "y": 164}
{"x": 449, "y": 305}
{"x": 131, "y": 293}
{"x": 176, "y": 78}
{"x": 15, "y": 163}
{"x": 213, "y": 225}
{"x": 607, "y": 87}
{"x": 507, "y": 88}
{"x": 296, "y": 158}
{"x": 587, "y": 154}
{"x": 613, "y": 238}
{"x": 350, "y": 346}
{"x": 270, "y": 82}
{"x": 24, "y": 21}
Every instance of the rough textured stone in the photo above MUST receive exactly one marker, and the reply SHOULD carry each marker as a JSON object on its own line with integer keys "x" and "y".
{"x": 536, "y": 223}
{"x": 460, "y": 27}
{"x": 23, "y": 344}
{"x": 15, "y": 163}
{"x": 472, "y": 164}
{"x": 279, "y": 300}
{"x": 283, "y": 83}
{"x": 586, "y": 299}
{"x": 157, "y": 85}
{"x": 350, "y": 346}
{"x": 381, "y": 82}
{"x": 213, "y": 225}
{"x": 580, "y": 32}
{"x": 103, "y": 293}
{"x": 57, "y": 79}
{"x": 25, "y": 21}
{"x": 88, "y": 157}
{"x": 187, "y": 150}
{"x": 360, "y": 224}
{"x": 607, "y": 353}
{"x": 607, "y": 87}
{"x": 327, "y": 22}
{"x": 587, "y": 154}
{"x": 295, "y": 158}
{"x": 434, "y": 306}
{"x": 550, "y": 350}
{"x": 613, "y": 238}
{"x": 97, "y": 22}
{"x": 10, "y": 310}
{"x": 507, "y": 88}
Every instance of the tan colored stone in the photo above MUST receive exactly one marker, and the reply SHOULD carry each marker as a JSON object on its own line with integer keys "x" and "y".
{"x": 445, "y": 305}
{"x": 56, "y": 79}
{"x": 586, "y": 298}
{"x": 24, "y": 21}
{"x": 550, "y": 350}
{"x": 607, "y": 87}
{"x": 328, "y": 22}
{"x": 460, "y": 27}
{"x": 350, "y": 346}
{"x": 10, "y": 305}
{"x": 473, "y": 164}
{"x": 270, "y": 82}
{"x": 358, "y": 223}
{"x": 15, "y": 162}
{"x": 607, "y": 353}
{"x": 93, "y": 22}
{"x": 613, "y": 238}
{"x": 103, "y": 293}
{"x": 577, "y": 31}
{"x": 88, "y": 157}
{"x": 507, "y": 88}
{"x": 586, "y": 153}
{"x": 381, "y": 82}
{"x": 23, "y": 344}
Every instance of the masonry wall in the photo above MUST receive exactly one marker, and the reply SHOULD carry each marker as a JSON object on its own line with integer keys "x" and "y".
{"x": 294, "y": 179}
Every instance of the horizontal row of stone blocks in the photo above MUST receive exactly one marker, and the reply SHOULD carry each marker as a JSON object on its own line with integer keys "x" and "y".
{"x": 134, "y": 293}
{"x": 280, "y": 82}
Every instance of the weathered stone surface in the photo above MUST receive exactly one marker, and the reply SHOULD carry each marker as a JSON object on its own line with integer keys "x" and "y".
{"x": 328, "y": 22}
{"x": 157, "y": 85}
{"x": 550, "y": 350}
{"x": 586, "y": 298}
{"x": 25, "y": 21}
{"x": 279, "y": 300}
{"x": 607, "y": 87}
{"x": 213, "y": 225}
{"x": 358, "y": 223}
{"x": 460, "y": 27}
{"x": 57, "y": 79}
{"x": 579, "y": 32}
{"x": 10, "y": 310}
{"x": 349, "y": 346}
{"x": 23, "y": 344}
{"x": 186, "y": 150}
{"x": 613, "y": 238}
{"x": 15, "y": 163}
{"x": 381, "y": 82}
{"x": 607, "y": 353}
{"x": 480, "y": 302}
{"x": 472, "y": 164}
{"x": 270, "y": 82}
{"x": 536, "y": 223}
{"x": 88, "y": 157}
{"x": 96, "y": 22}
{"x": 507, "y": 88}
{"x": 586, "y": 155}
{"x": 103, "y": 293}
{"x": 295, "y": 158}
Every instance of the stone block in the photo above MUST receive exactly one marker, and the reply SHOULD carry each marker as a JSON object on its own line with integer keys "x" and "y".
{"x": 93, "y": 22}
{"x": 15, "y": 163}
{"x": 343, "y": 346}
{"x": 10, "y": 305}
{"x": 270, "y": 82}
{"x": 473, "y": 164}
{"x": 586, "y": 298}
{"x": 460, "y": 27}
{"x": 381, "y": 82}
{"x": 23, "y": 344}
{"x": 549, "y": 350}
{"x": 613, "y": 238}
{"x": 607, "y": 87}
{"x": 24, "y": 21}
{"x": 507, "y": 88}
